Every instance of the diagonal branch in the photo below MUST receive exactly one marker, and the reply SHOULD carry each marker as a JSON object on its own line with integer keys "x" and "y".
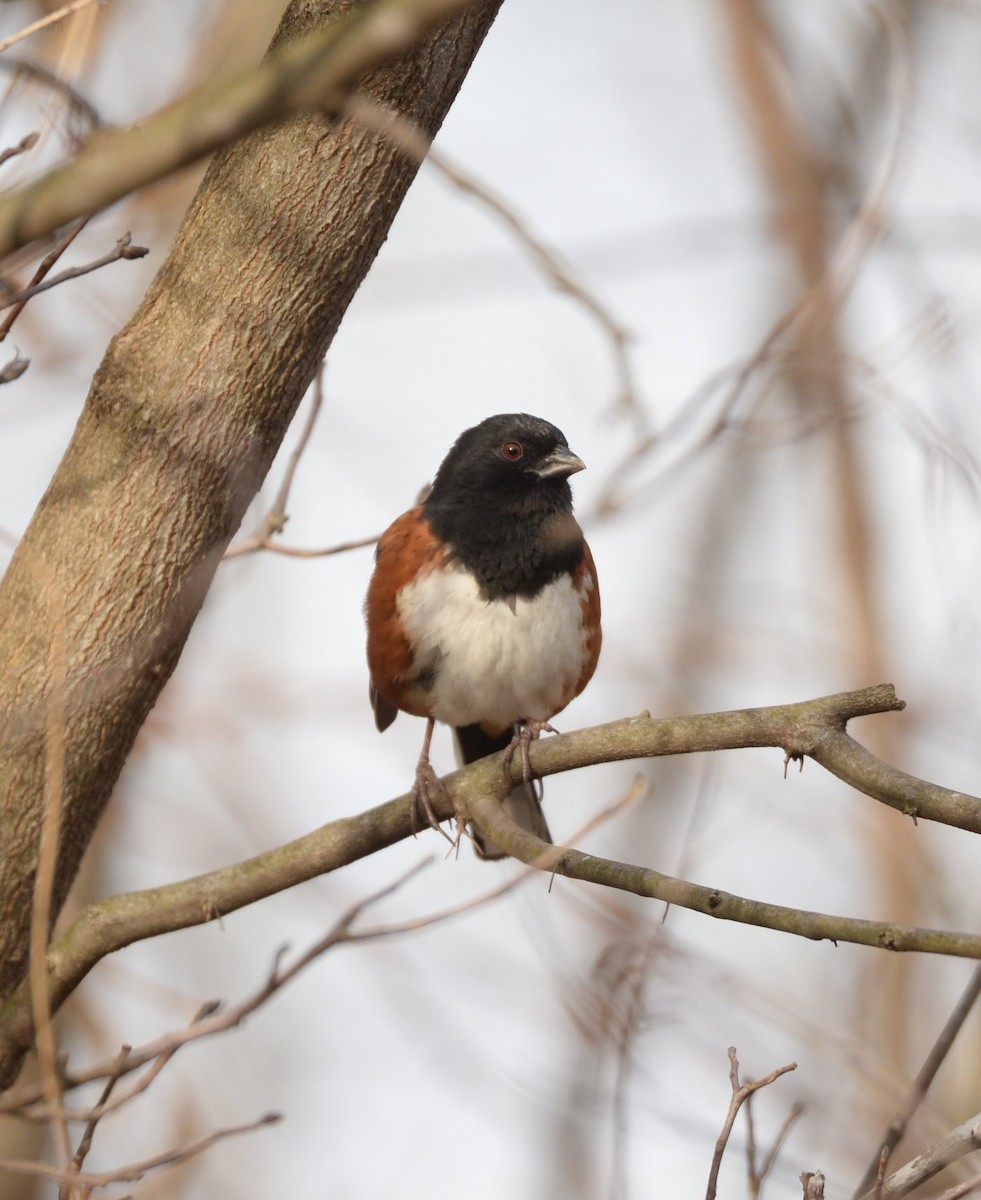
{"x": 963, "y": 1140}
{"x": 921, "y": 1085}
{"x": 314, "y": 72}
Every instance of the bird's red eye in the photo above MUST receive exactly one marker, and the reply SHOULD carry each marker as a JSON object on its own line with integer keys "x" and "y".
{"x": 512, "y": 451}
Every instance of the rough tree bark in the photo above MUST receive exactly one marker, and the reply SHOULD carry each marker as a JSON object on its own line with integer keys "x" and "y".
{"x": 181, "y": 423}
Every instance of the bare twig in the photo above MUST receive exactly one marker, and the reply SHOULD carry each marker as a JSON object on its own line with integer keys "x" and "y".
{"x": 60, "y": 14}
{"x": 211, "y": 1019}
{"x": 276, "y": 517}
{"x": 299, "y": 551}
{"x": 79, "y": 106}
{"x": 414, "y": 141}
{"x": 85, "y": 1141}
{"x": 965, "y": 1139}
{"x": 959, "y": 1190}
{"x": 921, "y": 1084}
{"x": 16, "y": 300}
{"x": 123, "y": 250}
{"x": 28, "y": 142}
{"x": 136, "y": 1171}
{"x": 741, "y": 1093}
{"x": 14, "y": 369}
{"x": 761, "y": 1172}
{"x": 827, "y": 283}
{"x": 313, "y": 72}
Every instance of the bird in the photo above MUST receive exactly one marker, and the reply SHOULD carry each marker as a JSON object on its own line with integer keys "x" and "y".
{"x": 483, "y": 608}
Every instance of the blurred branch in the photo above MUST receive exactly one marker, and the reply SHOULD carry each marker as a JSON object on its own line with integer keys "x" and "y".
{"x": 803, "y": 344}
{"x": 276, "y": 517}
{"x": 412, "y": 140}
{"x": 18, "y": 302}
{"x": 60, "y": 14}
{"x": 814, "y": 728}
{"x": 14, "y": 369}
{"x": 124, "y": 249}
{"x": 312, "y": 73}
{"x": 959, "y": 1190}
{"x": 741, "y": 1093}
{"x": 136, "y": 1171}
{"x": 965, "y": 1139}
{"x": 939, "y": 1051}
{"x": 27, "y": 142}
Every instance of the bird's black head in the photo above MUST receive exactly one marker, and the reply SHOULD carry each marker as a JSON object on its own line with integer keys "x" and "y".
{"x": 502, "y": 500}
{"x": 512, "y": 461}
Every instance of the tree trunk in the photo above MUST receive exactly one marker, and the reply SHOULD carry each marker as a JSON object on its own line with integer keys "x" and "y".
{"x": 183, "y": 418}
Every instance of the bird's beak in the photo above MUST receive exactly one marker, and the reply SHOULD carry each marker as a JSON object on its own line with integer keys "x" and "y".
{"x": 560, "y": 464}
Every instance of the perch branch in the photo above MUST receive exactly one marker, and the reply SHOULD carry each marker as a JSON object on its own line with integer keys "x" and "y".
{"x": 814, "y": 728}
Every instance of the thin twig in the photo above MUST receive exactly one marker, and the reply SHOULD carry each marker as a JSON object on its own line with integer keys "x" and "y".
{"x": 300, "y": 552}
{"x": 17, "y": 301}
{"x": 924, "y": 1078}
{"x": 959, "y": 1190}
{"x": 27, "y": 142}
{"x": 79, "y": 105}
{"x": 965, "y": 1139}
{"x": 123, "y": 250}
{"x": 136, "y": 1171}
{"x": 770, "y": 1161}
{"x": 211, "y": 1019}
{"x": 276, "y": 517}
{"x": 829, "y": 289}
{"x": 85, "y": 1141}
{"x": 53, "y": 18}
{"x": 741, "y": 1092}
{"x": 413, "y": 141}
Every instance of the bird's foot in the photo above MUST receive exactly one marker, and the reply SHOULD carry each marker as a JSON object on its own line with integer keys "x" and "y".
{"x": 525, "y": 733}
{"x": 425, "y": 787}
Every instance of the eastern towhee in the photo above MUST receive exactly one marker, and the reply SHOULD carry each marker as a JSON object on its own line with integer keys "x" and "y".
{"x": 483, "y": 611}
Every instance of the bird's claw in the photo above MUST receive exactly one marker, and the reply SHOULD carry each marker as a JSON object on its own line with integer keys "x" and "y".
{"x": 423, "y": 813}
{"x": 526, "y": 733}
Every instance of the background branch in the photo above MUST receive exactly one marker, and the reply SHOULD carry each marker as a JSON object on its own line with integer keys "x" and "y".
{"x": 741, "y": 1093}
{"x": 965, "y": 1139}
{"x": 313, "y": 72}
{"x": 921, "y": 1085}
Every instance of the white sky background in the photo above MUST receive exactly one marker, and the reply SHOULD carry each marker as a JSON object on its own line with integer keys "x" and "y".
{"x": 450, "y": 1062}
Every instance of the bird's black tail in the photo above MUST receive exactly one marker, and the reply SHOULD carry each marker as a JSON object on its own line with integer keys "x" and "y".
{"x": 523, "y": 804}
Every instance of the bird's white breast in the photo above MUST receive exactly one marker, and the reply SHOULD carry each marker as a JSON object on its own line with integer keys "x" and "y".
{"x": 494, "y": 661}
